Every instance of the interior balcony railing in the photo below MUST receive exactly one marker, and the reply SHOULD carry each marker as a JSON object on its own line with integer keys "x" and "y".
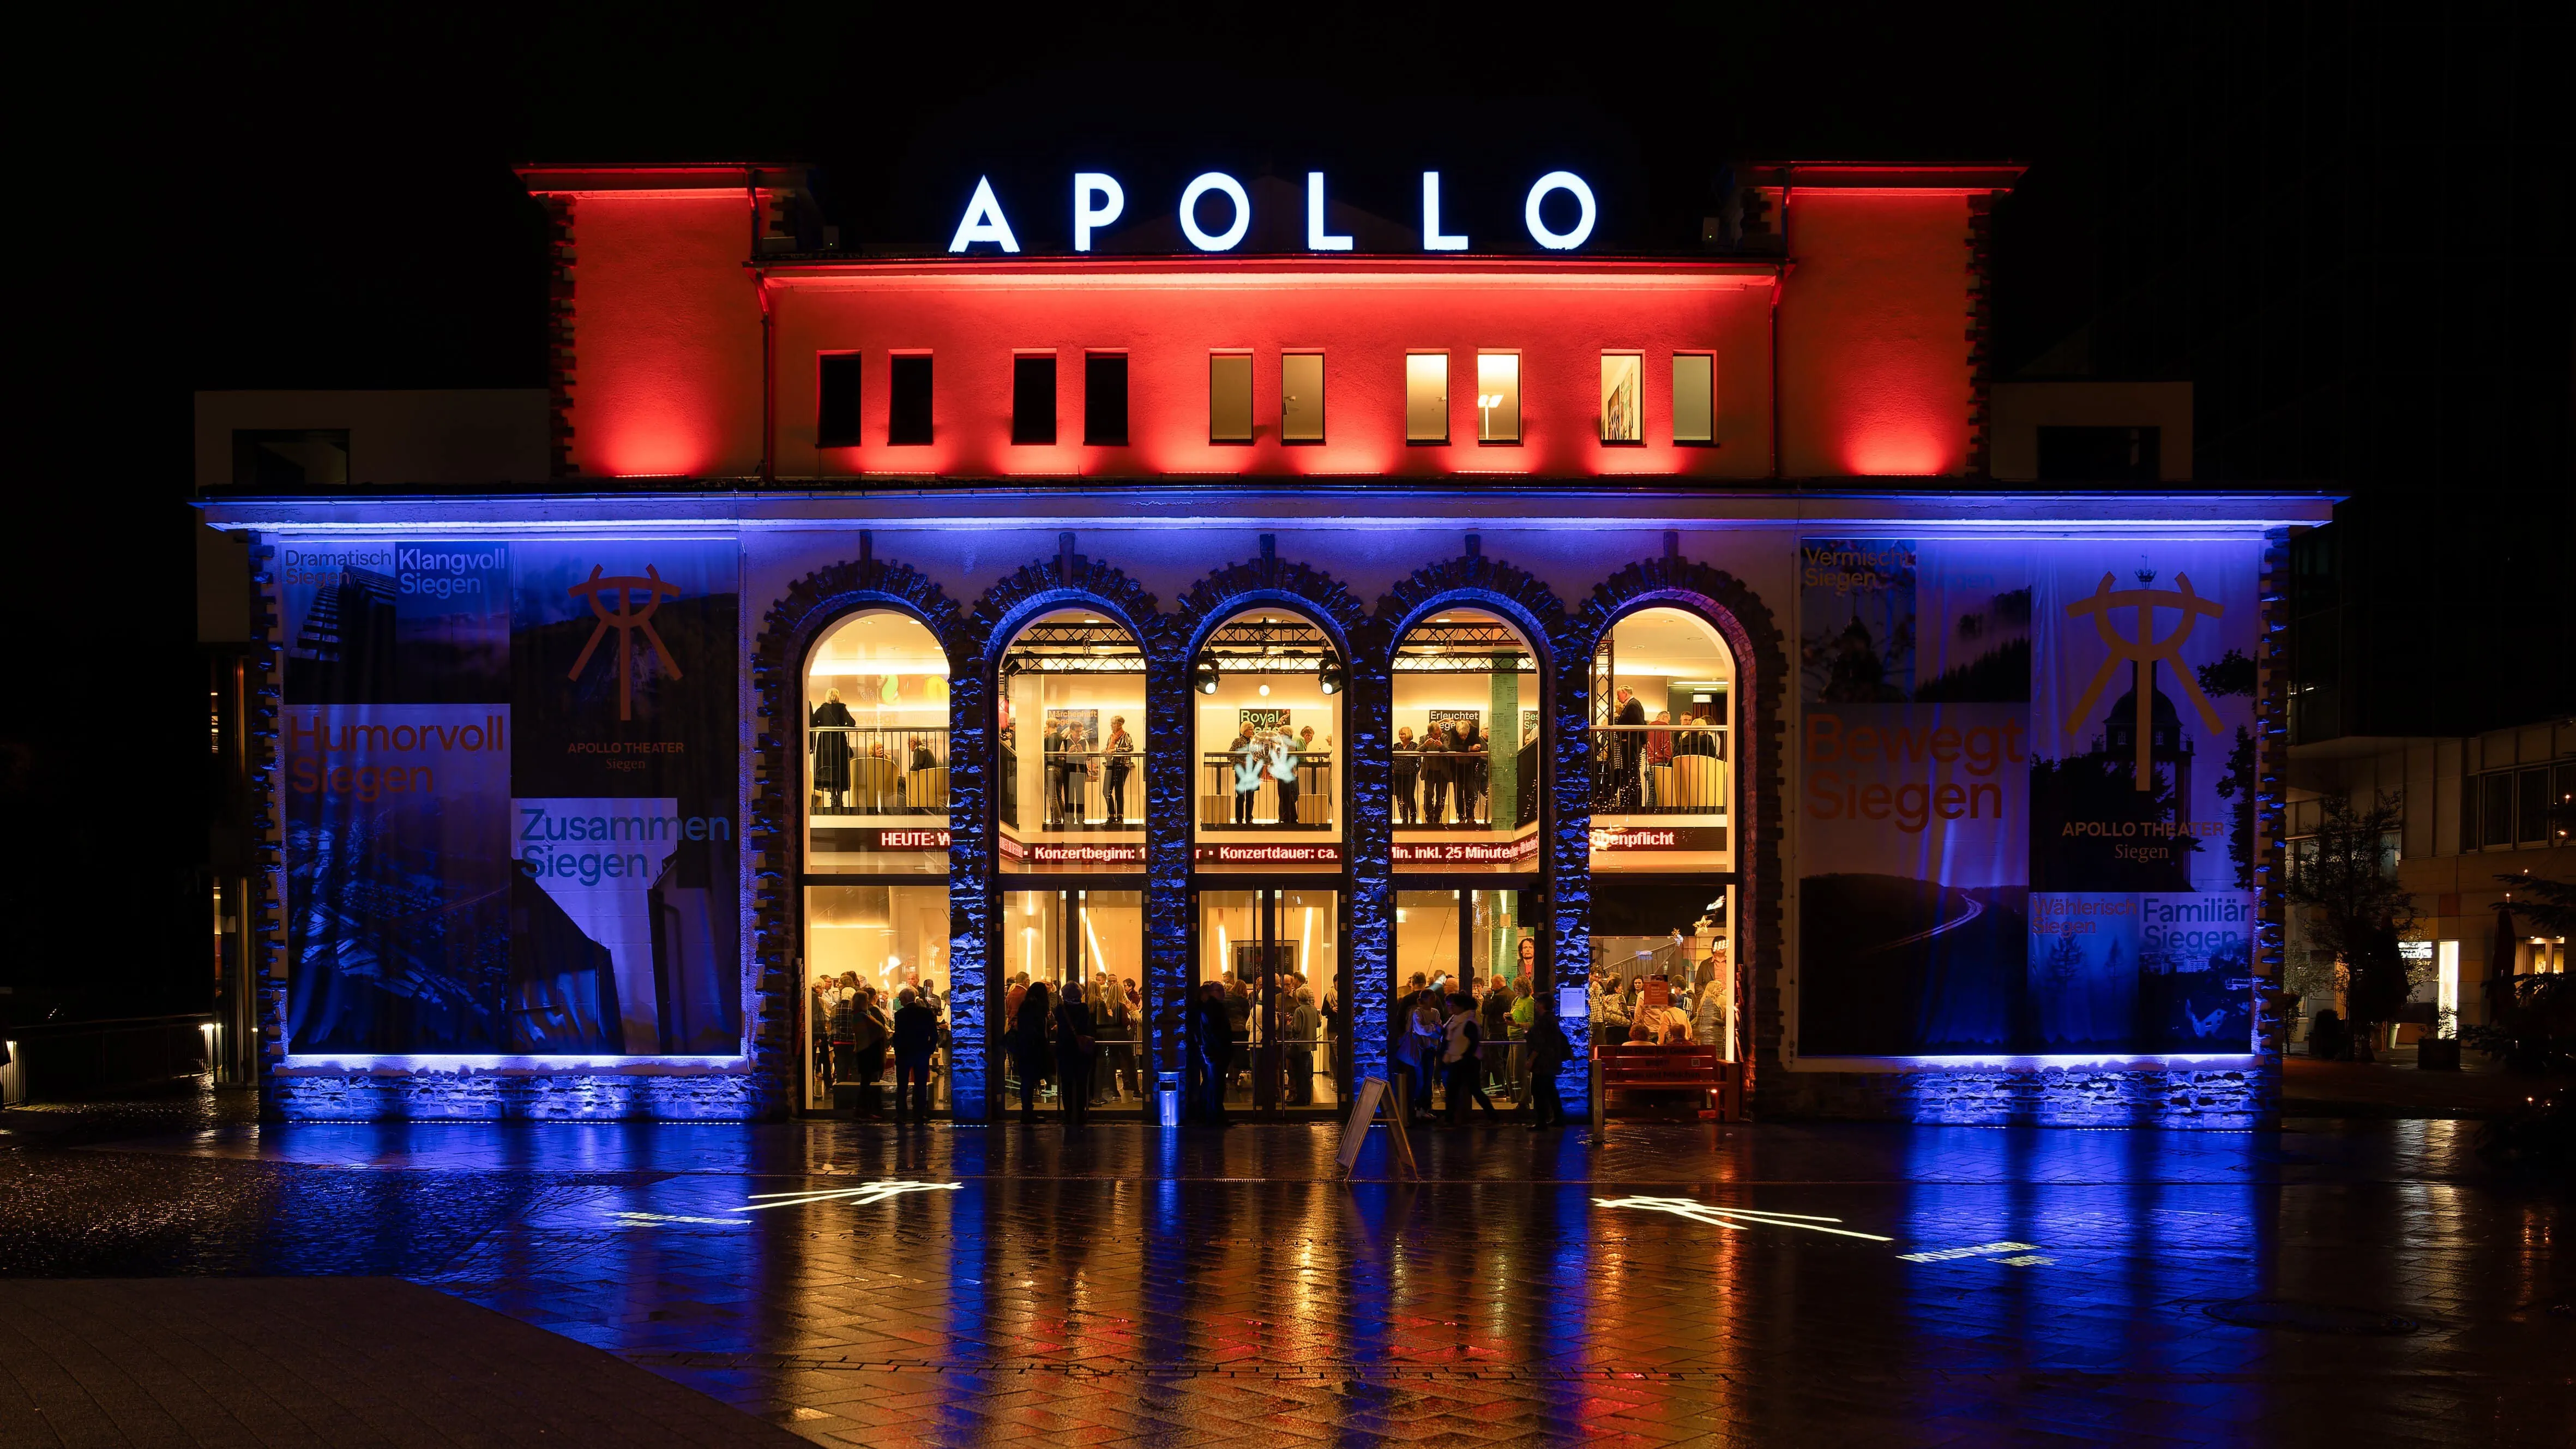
{"x": 1659, "y": 769}
{"x": 1081, "y": 790}
{"x": 1237, "y": 796}
{"x": 879, "y": 770}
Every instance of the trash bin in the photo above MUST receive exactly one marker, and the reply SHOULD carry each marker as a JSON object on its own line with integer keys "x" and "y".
{"x": 1167, "y": 1087}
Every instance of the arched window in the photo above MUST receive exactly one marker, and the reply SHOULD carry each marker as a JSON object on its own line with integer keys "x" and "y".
{"x": 1069, "y": 782}
{"x": 876, "y": 856}
{"x": 1069, "y": 806}
{"x": 1664, "y": 751}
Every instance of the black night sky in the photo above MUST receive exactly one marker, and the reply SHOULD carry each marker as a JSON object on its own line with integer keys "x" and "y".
{"x": 2351, "y": 237}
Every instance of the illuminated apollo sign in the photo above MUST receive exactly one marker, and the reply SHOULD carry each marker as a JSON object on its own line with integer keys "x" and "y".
{"x": 1213, "y": 196}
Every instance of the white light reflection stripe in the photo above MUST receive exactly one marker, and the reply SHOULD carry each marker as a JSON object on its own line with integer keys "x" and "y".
{"x": 1727, "y": 1217}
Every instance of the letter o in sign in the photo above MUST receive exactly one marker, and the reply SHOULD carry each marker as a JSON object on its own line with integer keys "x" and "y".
{"x": 1226, "y": 239}
{"x": 1559, "y": 241}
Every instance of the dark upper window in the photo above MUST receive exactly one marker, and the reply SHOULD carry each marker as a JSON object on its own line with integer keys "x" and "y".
{"x": 1033, "y": 398}
{"x": 2099, "y": 455}
{"x": 908, "y": 407}
{"x": 1104, "y": 398}
{"x": 836, "y": 402}
{"x": 290, "y": 457}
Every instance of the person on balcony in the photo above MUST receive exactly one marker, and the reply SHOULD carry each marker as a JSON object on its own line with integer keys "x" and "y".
{"x": 1283, "y": 768}
{"x": 1627, "y": 751}
{"x": 1408, "y": 777}
{"x": 833, "y": 725}
{"x": 1659, "y": 756}
{"x": 1467, "y": 742}
{"x": 1435, "y": 775}
{"x": 1247, "y": 756}
{"x": 1118, "y": 755}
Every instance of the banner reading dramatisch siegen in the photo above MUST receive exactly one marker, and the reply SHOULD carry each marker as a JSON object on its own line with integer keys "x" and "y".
{"x": 456, "y": 886}
{"x": 2026, "y": 775}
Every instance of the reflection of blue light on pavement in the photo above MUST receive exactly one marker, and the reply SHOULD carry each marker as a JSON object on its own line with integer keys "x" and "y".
{"x": 655, "y": 1220}
{"x": 1736, "y": 1219}
{"x": 865, "y": 1194}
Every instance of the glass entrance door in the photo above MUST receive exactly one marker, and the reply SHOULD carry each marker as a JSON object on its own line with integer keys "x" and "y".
{"x": 1084, "y": 944}
{"x": 1275, "y": 957}
{"x": 1465, "y": 950}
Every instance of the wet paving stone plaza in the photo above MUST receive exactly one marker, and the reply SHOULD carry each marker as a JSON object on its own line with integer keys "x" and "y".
{"x": 169, "y": 1276}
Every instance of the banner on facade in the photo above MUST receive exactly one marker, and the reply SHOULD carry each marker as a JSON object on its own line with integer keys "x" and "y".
{"x": 2026, "y": 776}
{"x": 510, "y": 778}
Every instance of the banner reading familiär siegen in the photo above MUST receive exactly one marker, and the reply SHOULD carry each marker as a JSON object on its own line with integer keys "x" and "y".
{"x": 2026, "y": 790}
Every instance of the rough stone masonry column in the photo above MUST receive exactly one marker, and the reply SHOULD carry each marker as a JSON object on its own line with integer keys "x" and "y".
{"x": 1368, "y": 766}
{"x": 1169, "y": 790}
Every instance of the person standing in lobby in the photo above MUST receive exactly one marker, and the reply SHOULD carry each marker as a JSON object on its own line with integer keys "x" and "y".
{"x": 916, "y": 1036}
{"x": 1076, "y": 1041}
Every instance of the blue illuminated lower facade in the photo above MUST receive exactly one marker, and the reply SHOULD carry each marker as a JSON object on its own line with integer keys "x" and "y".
{"x": 725, "y": 804}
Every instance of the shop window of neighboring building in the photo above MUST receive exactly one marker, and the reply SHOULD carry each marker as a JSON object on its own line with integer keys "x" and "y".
{"x": 1466, "y": 753}
{"x": 836, "y": 400}
{"x": 1266, "y": 692}
{"x": 868, "y": 944}
{"x": 1070, "y": 790}
{"x": 1086, "y": 944}
{"x": 1498, "y": 397}
{"x": 1426, "y": 397}
{"x": 1104, "y": 399}
{"x": 876, "y": 747}
{"x": 908, "y": 402}
{"x": 1276, "y": 956}
{"x": 1301, "y": 397}
{"x": 1033, "y": 399}
{"x": 1230, "y": 397}
{"x": 1694, "y": 397}
{"x": 1623, "y": 397}
{"x": 1662, "y": 745}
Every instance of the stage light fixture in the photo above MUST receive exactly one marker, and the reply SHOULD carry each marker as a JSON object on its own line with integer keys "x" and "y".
{"x": 1204, "y": 673}
{"x": 1332, "y": 677}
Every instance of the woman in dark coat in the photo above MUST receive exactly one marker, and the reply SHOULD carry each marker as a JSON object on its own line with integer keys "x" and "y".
{"x": 1028, "y": 1044}
{"x": 1470, "y": 767}
{"x": 1076, "y": 1040}
{"x": 832, "y": 751}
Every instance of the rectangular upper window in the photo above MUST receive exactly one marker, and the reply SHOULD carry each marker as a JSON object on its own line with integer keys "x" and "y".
{"x": 836, "y": 400}
{"x": 908, "y": 407}
{"x": 1426, "y": 397}
{"x": 1230, "y": 397}
{"x": 1694, "y": 398}
{"x": 1623, "y": 397}
{"x": 1498, "y": 397}
{"x": 1104, "y": 399}
{"x": 1033, "y": 399}
{"x": 1301, "y": 397}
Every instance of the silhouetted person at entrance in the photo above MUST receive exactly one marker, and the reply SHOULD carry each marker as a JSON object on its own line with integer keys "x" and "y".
{"x": 1212, "y": 1047}
{"x": 1076, "y": 1042}
{"x": 916, "y": 1036}
{"x": 1028, "y": 1045}
{"x": 1549, "y": 1051}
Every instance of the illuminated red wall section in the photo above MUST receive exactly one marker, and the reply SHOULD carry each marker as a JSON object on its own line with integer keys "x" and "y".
{"x": 666, "y": 329}
{"x": 1874, "y": 377}
{"x": 1364, "y": 315}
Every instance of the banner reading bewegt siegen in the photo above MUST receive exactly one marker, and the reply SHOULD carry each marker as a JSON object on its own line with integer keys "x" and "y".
{"x": 510, "y": 779}
{"x": 2026, "y": 782}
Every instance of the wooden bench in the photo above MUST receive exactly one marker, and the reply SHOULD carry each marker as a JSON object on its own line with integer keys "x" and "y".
{"x": 1672, "y": 1070}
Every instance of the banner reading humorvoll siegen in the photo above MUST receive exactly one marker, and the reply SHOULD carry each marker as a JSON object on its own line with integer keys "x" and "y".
{"x": 2026, "y": 775}
{"x": 510, "y": 774}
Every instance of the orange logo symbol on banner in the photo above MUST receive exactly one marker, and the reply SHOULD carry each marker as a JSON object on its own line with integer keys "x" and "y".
{"x": 2144, "y": 651}
{"x": 625, "y": 618}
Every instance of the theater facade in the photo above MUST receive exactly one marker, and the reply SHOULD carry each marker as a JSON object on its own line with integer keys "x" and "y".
{"x": 1629, "y": 637}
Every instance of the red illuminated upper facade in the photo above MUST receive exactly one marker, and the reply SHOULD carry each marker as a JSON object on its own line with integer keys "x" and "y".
{"x": 691, "y": 336}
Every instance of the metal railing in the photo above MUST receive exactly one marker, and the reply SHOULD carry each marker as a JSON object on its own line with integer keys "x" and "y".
{"x": 1659, "y": 769}
{"x": 1265, "y": 806}
{"x": 1082, "y": 788}
{"x": 878, "y": 770}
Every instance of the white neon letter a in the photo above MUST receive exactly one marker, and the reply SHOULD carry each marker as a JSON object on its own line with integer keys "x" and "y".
{"x": 983, "y": 222}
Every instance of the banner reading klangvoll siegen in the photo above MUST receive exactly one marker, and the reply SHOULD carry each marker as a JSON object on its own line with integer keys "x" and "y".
{"x": 457, "y": 883}
{"x": 2026, "y": 774}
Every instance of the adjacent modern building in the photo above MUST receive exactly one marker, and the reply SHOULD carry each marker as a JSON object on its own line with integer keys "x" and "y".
{"x": 1249, "y": 646}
